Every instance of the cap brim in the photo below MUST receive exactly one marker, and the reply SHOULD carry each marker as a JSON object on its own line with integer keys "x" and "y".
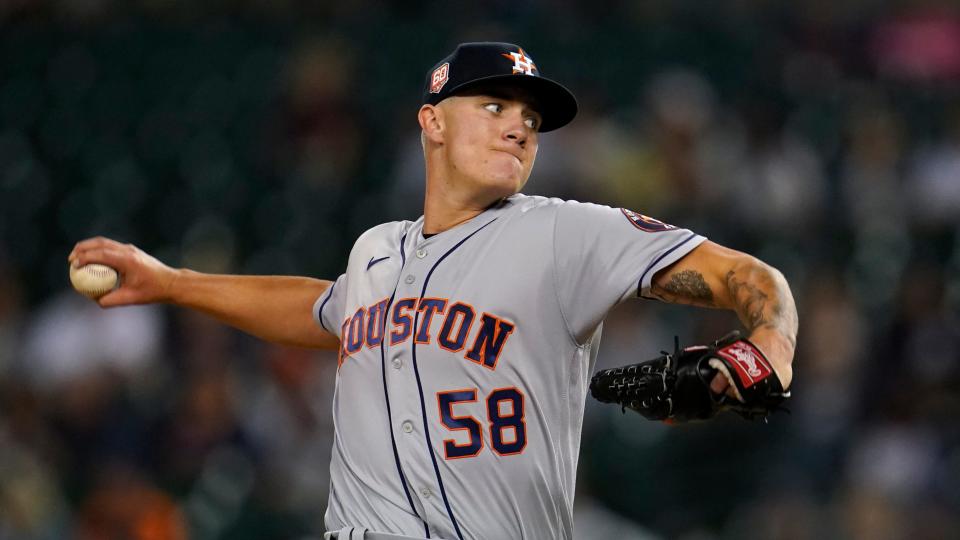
{"x": 555, "y": 103}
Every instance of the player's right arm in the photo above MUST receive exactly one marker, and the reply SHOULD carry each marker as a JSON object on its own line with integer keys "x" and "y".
{"x": 273, "y": 308}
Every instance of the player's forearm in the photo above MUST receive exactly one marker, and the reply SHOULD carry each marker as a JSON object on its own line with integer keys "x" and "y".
{"x": 273, "y": 308}
{"x": 761, "y": 298}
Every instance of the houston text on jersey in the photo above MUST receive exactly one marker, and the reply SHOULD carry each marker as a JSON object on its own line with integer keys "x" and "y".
{"x": 461, "y": 324}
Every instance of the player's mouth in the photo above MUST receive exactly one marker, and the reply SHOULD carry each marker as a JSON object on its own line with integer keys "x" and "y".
{"x": 517, "y": 155}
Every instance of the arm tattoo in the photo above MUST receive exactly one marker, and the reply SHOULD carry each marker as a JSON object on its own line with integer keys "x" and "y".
{"x": 687, "y": 287}
{"x": 757, "y": 309}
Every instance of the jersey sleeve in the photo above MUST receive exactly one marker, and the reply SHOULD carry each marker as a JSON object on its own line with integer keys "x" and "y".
{"x": 605, "y": 255}
{"x": 330, "y": 305}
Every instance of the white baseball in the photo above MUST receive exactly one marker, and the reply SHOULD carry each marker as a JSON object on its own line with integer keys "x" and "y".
{"x": 94, "y": 280}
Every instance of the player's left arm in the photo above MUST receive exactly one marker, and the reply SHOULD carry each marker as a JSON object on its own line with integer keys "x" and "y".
{"x": 718, "y": 277}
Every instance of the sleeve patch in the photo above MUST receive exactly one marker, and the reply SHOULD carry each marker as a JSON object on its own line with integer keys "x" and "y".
{"x": 646, "y": 223}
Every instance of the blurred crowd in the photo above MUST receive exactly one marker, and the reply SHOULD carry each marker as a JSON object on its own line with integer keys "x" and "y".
{"x": 264, "y": 136}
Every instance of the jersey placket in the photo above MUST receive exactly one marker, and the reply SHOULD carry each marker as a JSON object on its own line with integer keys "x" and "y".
{"x": 413, "y": 420}
{"x": 408, "y": 422}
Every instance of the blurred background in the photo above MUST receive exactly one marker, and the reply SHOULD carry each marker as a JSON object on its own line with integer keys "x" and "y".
{"x": 262, "y": 136}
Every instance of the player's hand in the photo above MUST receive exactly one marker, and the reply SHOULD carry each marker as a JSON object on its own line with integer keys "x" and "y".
{"x": 719, "y": 386}
{"x": 775, "y": 349}
{"x": 143, "y": 279}
{"x": 682, "y": 386}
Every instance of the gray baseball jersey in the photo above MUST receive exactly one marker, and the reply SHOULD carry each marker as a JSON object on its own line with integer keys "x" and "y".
{"x": 465, "y": 359}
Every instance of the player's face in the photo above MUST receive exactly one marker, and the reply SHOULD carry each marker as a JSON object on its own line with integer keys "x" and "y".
{"x": 491, "y": 140}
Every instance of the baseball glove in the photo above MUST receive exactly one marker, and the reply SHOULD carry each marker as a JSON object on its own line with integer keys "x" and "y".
{"x": 676, "y": 387}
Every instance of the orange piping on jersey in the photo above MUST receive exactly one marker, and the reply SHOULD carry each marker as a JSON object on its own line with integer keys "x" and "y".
{"x": 438, "y": 305}
{"x": 402, "y": 320}
{"x": 493, "y": 334}
{"x": 523, "y": 421}
{"x": 450, "y": 322}
{"x": 356, "y": 331}
{"x": 473, "y": 391}
{"x": 341, "y": 352}
{"x": 379, "y": 308}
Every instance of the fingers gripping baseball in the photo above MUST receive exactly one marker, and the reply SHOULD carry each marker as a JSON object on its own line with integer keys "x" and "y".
{"x": 143, "y": 278}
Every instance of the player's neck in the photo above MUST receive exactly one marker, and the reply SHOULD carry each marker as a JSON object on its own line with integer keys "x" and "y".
{"x": 439, "y": 217}
{"x": 444, "y": 209}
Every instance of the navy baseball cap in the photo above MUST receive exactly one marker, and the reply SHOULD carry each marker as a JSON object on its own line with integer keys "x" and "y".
{"x": 475, "y": 65}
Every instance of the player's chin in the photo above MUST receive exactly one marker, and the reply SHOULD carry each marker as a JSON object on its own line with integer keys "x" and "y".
{"x": 508, "y": 180}
{"x": 505, "y": 187}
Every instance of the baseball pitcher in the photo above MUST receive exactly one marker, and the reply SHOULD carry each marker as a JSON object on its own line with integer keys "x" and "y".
{"x": 467, "y": 338}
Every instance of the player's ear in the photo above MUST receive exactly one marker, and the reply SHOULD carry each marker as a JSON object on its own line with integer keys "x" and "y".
{"x": 431, "y": 122}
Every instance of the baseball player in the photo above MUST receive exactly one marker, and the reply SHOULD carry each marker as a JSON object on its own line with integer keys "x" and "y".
{"x": 466, "y": 338}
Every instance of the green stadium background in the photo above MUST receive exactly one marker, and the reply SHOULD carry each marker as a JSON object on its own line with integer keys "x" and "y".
{"x": 263, "y": 136}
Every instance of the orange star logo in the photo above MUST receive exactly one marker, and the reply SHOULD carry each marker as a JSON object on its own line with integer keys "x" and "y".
{"x": 521, "y": 62}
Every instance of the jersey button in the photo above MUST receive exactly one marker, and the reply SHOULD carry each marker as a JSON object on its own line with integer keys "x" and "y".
{"x": 397, "y": 363}
{"x": 409, "y": 279}
{"x": 407, "y": 427}
{"x": 426, "y": 493}
{"x": 421, "y": 253}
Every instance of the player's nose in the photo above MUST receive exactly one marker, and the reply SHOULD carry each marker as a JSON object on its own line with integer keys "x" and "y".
{"x": 515, "y": 130}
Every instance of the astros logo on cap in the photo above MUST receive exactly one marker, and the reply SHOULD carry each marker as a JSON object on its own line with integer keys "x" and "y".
{"x": 521, "y": 62}
{"x": 439, "y": 78}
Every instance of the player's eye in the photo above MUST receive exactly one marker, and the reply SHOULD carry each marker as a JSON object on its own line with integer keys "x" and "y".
{"x": 531, "y": 122}
{"x": 493, "y": 107}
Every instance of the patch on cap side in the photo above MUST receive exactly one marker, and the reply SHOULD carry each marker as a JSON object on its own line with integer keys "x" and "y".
{"x": 439, "y": 77}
